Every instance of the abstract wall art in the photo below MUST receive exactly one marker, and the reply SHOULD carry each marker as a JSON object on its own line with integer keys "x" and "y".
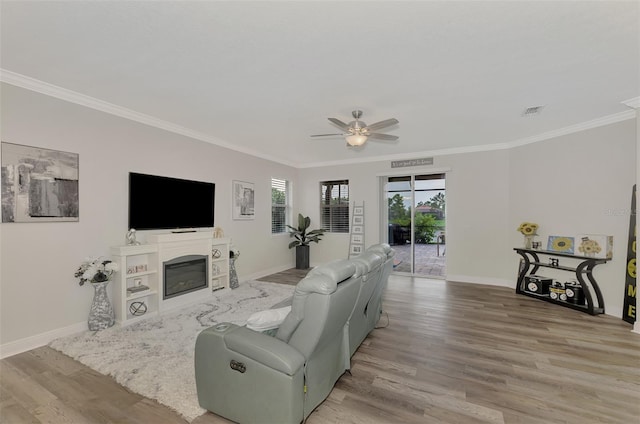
{"x": 39, "y": 185}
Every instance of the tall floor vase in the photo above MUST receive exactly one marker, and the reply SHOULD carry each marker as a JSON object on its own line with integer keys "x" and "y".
{"x": 101, "y": 314}
{"x": 233, "y": 275}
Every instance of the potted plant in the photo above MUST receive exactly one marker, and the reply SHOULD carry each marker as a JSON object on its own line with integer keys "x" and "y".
{"x": 302, "y": 240}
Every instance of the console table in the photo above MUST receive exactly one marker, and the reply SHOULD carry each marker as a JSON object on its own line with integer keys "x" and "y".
{"x": 584, "y": 266}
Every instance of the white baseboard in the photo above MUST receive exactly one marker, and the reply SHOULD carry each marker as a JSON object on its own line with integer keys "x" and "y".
{"x": 32, "y": 342}
{"x": 28, "y": 343}
{"x": 614, "y": 312}
{"x": 482, "y": 280}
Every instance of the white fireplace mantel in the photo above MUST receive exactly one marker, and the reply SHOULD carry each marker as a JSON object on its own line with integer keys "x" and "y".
{"x": 175, "y": 245}
{"x": 144, "y": 265}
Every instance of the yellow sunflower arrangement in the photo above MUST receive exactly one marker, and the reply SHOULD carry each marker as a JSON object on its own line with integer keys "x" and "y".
{"x": 589, "y": 247}
{"x": 528, "y": 228}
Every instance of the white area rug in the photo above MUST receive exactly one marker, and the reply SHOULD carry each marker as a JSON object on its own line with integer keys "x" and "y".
{"x": 155, "y": 357}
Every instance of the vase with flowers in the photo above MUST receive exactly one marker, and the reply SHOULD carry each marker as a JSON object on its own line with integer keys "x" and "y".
{"x": 529, "y": 230}
{"x": 98, "y": 273}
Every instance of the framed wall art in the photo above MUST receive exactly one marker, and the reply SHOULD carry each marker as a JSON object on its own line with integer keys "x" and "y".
{"x": 561, "y": 244}
{"x": 243, "y": 194}
{"x": 39, "y": 185}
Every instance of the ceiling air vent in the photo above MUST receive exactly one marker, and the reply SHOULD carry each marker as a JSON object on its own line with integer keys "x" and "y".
{"x": 532, "y": 111}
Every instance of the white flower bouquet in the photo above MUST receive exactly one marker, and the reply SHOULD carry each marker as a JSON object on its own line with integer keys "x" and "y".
{"x": 95, "y": 270}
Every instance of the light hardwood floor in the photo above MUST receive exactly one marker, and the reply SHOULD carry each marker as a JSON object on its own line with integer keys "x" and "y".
{"x": 451, "y": 353}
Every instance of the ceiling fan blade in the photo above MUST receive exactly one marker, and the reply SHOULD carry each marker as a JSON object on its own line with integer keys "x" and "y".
{"x": 327, "y": 135}
{"x": 382, "y": 124}
{"x": 339, "y": 124}
{"x": 383, "y": 136}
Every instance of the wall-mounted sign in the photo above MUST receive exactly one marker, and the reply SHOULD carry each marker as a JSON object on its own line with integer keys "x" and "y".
{"x": 411, "y": 162}
{"x": 629, "y": 310}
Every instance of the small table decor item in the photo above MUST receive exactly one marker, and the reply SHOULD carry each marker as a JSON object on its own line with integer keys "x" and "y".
{"x": 98, "y": 272}
{"x": 138, "y": 308}
{"x": 595, "y": 245}
{"x": 529, "y": 231}
{"x": 233, "y": 275}
{"x": 560, "y": 244}
{"x": 218, "y": 232}
{"x": 131, "y": 238}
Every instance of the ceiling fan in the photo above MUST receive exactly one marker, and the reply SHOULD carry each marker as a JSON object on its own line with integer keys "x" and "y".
{"x": 357, "y": 132}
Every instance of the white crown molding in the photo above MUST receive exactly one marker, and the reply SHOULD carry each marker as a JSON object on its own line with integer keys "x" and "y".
{"x": 606, "y": 120}
{"x": 599, "y": 122}
{"x": 632, "y": 103}
{"x": 33, "y": 84}
{"x": 412, "y": 155}
{"x": 70, "y": 96}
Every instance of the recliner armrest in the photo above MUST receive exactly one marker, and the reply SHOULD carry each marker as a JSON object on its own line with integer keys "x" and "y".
{"x": 264, "y": 349}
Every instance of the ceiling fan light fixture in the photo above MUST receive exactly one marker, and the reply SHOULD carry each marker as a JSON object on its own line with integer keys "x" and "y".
{"x": 356, "y": 139}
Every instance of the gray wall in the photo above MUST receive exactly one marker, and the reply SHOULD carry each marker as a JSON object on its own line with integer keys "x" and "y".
{"x": 39, "y": 294}
{"x": 574, "y": 184}
{"x": 568, "y": 185}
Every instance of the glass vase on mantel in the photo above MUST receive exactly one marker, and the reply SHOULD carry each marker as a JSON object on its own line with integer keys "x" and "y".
{"x": 101, "y": 314}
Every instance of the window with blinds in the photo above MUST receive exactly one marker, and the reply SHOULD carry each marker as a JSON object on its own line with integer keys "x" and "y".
{"x": 279, "y": 205}
{"x": 334, "y": 206}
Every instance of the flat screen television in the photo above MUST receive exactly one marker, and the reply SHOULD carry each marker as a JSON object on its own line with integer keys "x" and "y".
{"x": 160, "y": 203}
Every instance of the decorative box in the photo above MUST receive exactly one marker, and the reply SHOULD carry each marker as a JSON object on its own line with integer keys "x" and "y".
{"x": 594, "y": 245}
{"x": 537, "y": 284}
{"x": 574, "y": 292}
{"x": 557, "y": 291}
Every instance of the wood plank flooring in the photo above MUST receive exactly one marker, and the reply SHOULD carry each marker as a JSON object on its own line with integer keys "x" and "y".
{"x": 451, "y": 353}
{"x": 290, "y": 276}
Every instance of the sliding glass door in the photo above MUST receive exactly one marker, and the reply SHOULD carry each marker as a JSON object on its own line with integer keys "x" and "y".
{"x": 416, "y": 220}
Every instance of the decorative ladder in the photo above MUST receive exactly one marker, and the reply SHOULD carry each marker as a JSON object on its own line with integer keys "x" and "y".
{"x": 356, "y": 239}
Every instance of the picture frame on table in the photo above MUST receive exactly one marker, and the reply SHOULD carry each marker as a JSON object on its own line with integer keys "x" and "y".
{"x": 561, "y": 244}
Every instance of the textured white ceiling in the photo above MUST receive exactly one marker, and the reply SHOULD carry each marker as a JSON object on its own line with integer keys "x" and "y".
{"x": 263, "y": 76}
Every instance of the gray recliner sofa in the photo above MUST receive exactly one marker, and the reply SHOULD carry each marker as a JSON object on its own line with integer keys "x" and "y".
{"x": 370, "y": 265}
{"x": 387, "y": 253}
{"x": 250, "y": 377}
